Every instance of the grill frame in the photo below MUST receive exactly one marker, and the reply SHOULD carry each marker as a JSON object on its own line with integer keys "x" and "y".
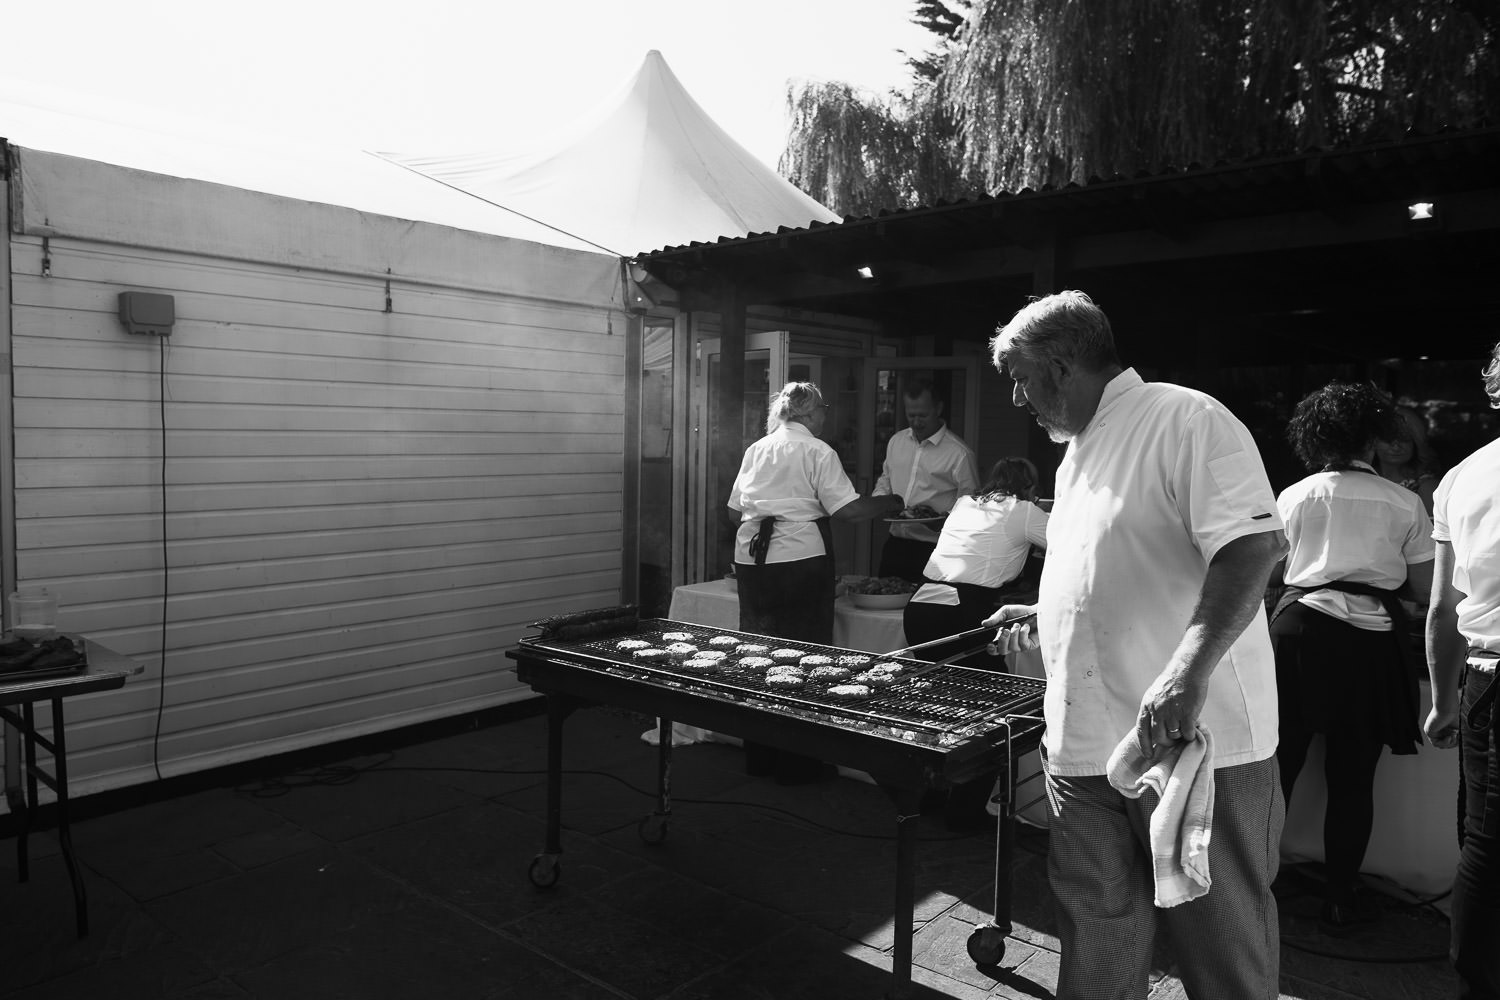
{"x": 903, "y": 767}
{"x": 902, "y": 751}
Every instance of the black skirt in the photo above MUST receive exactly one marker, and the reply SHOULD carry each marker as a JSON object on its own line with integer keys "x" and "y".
{"x": 787, "y": 600}
{"x": 1335, "y": 679}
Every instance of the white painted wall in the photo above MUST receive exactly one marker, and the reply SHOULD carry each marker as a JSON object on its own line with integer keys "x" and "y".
{"x": 363, "y": 507}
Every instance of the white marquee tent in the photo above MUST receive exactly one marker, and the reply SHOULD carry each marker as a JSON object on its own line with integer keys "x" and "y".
{"x": 648, "y": 169}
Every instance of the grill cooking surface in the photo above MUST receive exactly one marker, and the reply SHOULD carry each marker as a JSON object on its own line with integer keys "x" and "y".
{"x": 924, "y": 703}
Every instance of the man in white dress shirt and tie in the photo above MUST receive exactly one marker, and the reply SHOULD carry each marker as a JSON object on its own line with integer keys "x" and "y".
{"x": 926, "y": 463}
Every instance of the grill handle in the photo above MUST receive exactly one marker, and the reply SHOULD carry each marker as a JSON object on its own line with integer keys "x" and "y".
{"x": 972, "y": 633}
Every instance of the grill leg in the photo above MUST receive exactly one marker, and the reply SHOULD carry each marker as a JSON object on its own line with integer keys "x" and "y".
{"x": 545, "y": 868}
{"x": 559, "y": 708}
{"x": 908, "y": 811}
{"x": 664, "y": 768}
{"x": 986, "y": 942}
{"x": 653, "y": 828}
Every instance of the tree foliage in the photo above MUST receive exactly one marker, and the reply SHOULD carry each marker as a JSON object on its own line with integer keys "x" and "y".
{"x": 1045, "y": 92}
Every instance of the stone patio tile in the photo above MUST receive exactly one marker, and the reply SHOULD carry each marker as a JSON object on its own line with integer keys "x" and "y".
{"x": 478, "y": 859}
{"x": 610, "y": 947}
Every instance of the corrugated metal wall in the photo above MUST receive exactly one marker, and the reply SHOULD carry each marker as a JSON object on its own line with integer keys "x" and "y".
{"x": 358, "y": 505}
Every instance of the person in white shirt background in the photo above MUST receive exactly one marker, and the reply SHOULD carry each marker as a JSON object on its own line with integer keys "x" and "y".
{"x": 1151, "y": 625}
{"x": 926, "y": 464}
{"x": 1346, "y": 666}
{"x": 977, "y": 566}
{"x": 790, "y": 484}
{"x": 979, "y": 558}
{"x": 1463, "y": 648}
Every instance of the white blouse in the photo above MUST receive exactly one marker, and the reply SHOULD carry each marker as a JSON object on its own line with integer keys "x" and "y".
{"x": 1357, "y": 527}
{"x": 795, "y": 477}
{"x": 984, "y": 542}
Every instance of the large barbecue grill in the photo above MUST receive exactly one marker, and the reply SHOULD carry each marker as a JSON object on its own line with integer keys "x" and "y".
{"x": 934, "y": 725}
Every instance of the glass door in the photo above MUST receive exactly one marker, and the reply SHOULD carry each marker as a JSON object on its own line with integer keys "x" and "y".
{"x": 711, "y": 544}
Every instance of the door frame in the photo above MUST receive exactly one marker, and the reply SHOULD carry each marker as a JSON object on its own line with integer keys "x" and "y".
{"x": 777, "y": 346}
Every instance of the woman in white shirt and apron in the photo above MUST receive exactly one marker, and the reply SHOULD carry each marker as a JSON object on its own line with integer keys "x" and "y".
{"x": 1346, "y": 667}
{"x": 790, "y": 484}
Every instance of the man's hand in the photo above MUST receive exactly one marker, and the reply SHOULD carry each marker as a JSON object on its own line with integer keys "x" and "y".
{"x": 1232, "y": 592}
{"x": 1016, "y": 637}
{"x": 1170, "y": 708}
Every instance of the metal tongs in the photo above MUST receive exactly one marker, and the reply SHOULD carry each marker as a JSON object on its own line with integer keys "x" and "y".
{"x": 973, "y": 633}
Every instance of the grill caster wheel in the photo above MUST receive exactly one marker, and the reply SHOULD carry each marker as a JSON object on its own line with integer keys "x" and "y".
{"x": 544, "y": 871}
{"x": 653, "y": 829}
{"x": 986, "y": 945}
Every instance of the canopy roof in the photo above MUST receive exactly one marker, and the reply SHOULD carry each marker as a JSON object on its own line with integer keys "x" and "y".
{"x": 151, "y": 140}
{"x": 1316, "y": 254}
{"x": 649, "y": 169}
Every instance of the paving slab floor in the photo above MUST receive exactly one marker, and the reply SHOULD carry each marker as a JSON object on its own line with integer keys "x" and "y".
{"x": 397, "y": 867}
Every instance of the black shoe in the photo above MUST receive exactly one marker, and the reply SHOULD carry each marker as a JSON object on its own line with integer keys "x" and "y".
{"x": 1346, "y": 916}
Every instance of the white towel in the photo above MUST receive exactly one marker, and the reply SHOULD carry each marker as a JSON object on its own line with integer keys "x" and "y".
{"x": 1182, "y": 776}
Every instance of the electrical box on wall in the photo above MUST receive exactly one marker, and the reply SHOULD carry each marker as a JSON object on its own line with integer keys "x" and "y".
{"x": 149, "y": 313}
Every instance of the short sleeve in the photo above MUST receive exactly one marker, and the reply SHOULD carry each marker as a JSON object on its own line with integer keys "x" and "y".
{"x": 1223, "y": 492}
{"x": 830, "y": 481}
{"x": 1419, "y": 546}
{"x": 1035, "y": 523}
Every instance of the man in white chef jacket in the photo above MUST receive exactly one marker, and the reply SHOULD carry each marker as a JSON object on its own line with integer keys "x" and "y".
{"x": 925, "y": 463}
{"x": 1152, "y": 628}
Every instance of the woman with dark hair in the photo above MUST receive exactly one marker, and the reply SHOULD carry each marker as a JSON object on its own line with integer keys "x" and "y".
{"x": 980, "y": 552}
{"x": 1343, "y": 664}
{"x": 977, "y": 566}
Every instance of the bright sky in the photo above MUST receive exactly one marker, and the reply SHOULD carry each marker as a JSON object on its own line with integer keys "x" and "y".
{"x": 445, "y": 75}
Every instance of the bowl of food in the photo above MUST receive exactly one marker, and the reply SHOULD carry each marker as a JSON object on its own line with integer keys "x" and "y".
{"x": 880, "y": 592}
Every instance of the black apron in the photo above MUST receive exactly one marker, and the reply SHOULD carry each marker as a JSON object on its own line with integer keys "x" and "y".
{"x": 1327, "y": 688}
{"x": 761, "y": 543}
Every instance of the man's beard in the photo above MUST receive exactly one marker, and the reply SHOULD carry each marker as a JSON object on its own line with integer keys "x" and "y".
{"x": 1055, "y": 418}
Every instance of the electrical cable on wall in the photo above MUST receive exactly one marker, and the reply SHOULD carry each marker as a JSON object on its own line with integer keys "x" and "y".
{"x": 161, "y": 691}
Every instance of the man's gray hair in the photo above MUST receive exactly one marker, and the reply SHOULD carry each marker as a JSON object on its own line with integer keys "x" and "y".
{"x": 1492, "y": 378}
{"x": 1065, "y": 326}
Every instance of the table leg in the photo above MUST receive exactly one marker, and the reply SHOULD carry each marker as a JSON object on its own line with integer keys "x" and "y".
{"x": 64, "y": 829}
{"x": 28, "y": 813}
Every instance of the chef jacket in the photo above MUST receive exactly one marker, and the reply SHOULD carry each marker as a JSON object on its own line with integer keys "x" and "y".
{"x": 1160, "y": 479}
{"x": 796, "y": 477}
{"x": 1355, "y": 527}
{"x": 1466, "y": 513}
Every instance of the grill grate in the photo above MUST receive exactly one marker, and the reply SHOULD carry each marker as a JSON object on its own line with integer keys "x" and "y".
{"x": 929, "y": 703}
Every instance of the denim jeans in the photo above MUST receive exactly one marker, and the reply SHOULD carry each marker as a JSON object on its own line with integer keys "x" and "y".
{"x": 1476, "y": 886}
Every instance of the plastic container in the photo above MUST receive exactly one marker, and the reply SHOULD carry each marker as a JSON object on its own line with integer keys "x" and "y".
{"x": 33, "y": 613}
